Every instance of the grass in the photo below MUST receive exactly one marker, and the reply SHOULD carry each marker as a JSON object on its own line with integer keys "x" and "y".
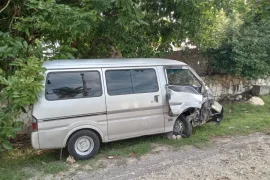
{"x": 240, "y": 119}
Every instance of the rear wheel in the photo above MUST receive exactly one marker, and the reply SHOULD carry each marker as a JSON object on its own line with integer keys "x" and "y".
{"x": 182, "y": 127}
{"x": 83, "y": 144}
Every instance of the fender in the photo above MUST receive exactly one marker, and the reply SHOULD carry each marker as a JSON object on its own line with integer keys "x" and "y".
{"x": 175, "y": 117}
{"x": 83, "y": 127}
{"x": 187, "y": 109}
{"x": 179, "y": 109}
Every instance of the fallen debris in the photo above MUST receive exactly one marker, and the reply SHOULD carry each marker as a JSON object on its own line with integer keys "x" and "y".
{"x": 110, "y": 157}
{"x": 70, "y": 160}
{"x": 176, "y": 137}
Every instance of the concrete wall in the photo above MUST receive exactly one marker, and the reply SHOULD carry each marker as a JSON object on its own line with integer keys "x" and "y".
{"x": 26, "y": 118}
{"x": 230, "y": 86}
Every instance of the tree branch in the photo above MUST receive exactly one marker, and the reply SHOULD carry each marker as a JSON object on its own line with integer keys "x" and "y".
{"x": 5, "y": 6}
{"x": 15, "y": 13}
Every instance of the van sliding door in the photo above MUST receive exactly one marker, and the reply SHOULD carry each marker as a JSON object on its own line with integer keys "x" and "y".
{"x": 134, "y": 102}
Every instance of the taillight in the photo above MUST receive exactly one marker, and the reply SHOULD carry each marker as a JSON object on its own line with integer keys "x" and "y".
{"x": 34, "y": 124}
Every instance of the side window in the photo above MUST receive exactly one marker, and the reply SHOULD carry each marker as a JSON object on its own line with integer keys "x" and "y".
{"x": 70, "y": 85}
{"x": 120, "y": 82}
{"x": 144, "y": 80}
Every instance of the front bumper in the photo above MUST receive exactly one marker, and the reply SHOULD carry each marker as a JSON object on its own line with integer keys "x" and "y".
{"x": 217, "y": 111}
{"x": 34, "y": 140}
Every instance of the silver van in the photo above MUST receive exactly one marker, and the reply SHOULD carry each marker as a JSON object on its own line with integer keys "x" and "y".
{"x": 87, "y": 102}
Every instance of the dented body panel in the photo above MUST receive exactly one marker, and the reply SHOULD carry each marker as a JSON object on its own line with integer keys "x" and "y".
{"x": 199, "y": 107}
{"x": 181, "y": 101}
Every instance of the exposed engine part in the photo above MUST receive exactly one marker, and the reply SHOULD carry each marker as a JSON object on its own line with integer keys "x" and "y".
{"x": 194, "y": 118}
{"x": 205, "y": 112}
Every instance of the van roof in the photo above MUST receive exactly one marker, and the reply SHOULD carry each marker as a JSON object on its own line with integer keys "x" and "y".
{"x": 122, "y": 62}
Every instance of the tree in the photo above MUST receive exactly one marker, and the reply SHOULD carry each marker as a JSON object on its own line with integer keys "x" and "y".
{"x": 245, "y": 50}
{"x": 32, "y": 31}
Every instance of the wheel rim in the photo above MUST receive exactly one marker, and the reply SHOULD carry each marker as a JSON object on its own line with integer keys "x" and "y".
{"x": 84, "y": 145}
{"x": 178, "y": 127}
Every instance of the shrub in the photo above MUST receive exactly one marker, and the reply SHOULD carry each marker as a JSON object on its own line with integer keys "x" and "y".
{"x": 20, "y": 90}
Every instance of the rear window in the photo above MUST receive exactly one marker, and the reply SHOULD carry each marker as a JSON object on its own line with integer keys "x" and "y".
{"x": 70, "y": 85}
{"x": 133, "y": 81}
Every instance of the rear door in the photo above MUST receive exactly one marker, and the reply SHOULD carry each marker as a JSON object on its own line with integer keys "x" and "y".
{"x": 134, "y": 102}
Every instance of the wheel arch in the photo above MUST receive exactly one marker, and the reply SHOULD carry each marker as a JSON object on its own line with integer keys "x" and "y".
{"x": 92, "y": 128}
{"x": 187, "y": 112}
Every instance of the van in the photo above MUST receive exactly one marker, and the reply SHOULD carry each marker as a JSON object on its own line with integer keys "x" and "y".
{"x": 88, "y": 102}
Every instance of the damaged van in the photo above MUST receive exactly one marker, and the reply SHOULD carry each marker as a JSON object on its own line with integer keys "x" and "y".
{"x": 88, "y": 102}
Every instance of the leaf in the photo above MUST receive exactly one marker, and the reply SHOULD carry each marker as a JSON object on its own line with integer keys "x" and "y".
{"x": 25, "y": 44}
{"x": 3, "y": 48}
{"x": 27, "y": 31}
{"x": 7, "y": 145}
{"x": 3, "y": 80}
{"x": 70, "y": 56}
{"x": 2, "y": 99}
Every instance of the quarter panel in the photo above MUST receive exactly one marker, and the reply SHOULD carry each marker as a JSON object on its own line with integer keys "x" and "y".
{"x": 54, "y": 134}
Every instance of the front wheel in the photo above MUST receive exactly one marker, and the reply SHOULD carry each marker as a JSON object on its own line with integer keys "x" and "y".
{"x": 182, "y": 127}
{"x": 83, "y": 144}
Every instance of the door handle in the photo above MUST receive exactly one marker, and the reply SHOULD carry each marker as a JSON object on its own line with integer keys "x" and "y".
{"x": 156, "y": 98}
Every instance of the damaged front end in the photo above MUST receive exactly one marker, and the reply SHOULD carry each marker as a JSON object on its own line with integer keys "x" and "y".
{"x": 198, "y": 108}
{"x": 215, "y": 109}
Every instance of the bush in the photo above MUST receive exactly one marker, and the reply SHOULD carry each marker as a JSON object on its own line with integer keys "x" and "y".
{"x": 246, "y": 52}
{"x": 20, "y": 90}
{"x": 246, "y": 49}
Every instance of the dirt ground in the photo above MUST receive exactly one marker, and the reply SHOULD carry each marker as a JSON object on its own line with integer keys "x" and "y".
{"x": 227, "y": 158}
{"x": 244, "y": 157}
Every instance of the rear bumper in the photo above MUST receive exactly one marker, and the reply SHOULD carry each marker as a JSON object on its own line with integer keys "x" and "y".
{"x": 34, "y": 140}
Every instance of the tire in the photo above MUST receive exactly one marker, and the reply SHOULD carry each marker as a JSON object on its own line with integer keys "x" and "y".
{"x": 186, "y": 129}
{"x": 83, "y": 144}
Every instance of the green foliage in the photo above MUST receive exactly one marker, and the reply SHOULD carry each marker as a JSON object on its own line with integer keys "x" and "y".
{"x": 20, "y": 90}
{"x": 20, "y": 82}
{"x": 245, "y": 50}
{"x": 251, "y": 51}
{"x": 214, "y": 32}
{"x": 135, "y": 28}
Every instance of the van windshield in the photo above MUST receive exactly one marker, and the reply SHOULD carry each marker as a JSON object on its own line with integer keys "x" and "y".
{"x": 182, "y": 76}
